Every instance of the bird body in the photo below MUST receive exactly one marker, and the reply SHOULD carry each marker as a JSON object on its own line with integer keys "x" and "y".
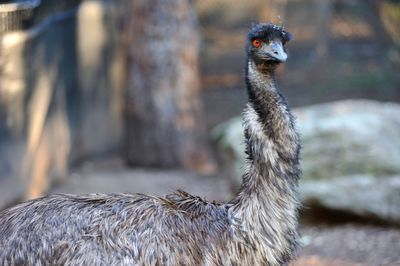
{"x": 258, "y": 227}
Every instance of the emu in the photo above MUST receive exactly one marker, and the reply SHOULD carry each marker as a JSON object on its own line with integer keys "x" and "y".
{"x": 258, "y": 227}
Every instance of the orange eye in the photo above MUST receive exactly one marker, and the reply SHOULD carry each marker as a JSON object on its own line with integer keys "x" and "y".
{"x": 256, "y": 43}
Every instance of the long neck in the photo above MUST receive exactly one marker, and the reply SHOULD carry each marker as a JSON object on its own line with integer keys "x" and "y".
{"x": 267, "y": 202}
{"x": 272, "y": 143}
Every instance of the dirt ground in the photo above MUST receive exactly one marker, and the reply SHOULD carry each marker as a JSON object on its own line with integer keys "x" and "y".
{"x": 350, "y": 244}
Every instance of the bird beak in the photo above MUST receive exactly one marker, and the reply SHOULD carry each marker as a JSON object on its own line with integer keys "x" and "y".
{"x": 276, "y": 51}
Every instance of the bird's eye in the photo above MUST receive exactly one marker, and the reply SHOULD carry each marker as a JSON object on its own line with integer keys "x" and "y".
{"x": 256, "y": 43}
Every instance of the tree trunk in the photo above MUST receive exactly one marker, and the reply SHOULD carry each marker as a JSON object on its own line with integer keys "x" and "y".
{"x": 164, "y": 124}
{"x": 324, "y": 11}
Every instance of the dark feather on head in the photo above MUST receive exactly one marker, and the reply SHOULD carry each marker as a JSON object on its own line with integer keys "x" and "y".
{"x": 268, "y": 32}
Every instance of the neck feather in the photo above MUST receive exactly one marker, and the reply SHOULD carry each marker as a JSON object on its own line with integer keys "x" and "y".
{"x": 267, "y": 200}
{"x": 272, "y": 143}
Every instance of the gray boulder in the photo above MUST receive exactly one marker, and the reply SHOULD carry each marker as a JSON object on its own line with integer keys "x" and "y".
{"x": 359, "y": 194}
{"x": 228, "y": 137}
{"x": 350, "y": 137}
{"x": 350, "y": 154}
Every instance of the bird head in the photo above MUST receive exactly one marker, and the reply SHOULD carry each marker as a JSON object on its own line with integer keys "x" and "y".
{"x": 266, "y": 44}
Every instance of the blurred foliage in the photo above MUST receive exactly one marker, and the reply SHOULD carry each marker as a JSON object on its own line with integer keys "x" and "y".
{"x": 390, "y": 15}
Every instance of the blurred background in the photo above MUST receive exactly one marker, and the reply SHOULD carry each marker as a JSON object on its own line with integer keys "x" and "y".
{"x": 146, "y": 96}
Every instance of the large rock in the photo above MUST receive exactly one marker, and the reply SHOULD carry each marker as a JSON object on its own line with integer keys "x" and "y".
{"x": 229, "y": 137}
{"x": 350, "y": 137}
{"x": 346, "y": 144}
{"x": 360, "y": 194}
